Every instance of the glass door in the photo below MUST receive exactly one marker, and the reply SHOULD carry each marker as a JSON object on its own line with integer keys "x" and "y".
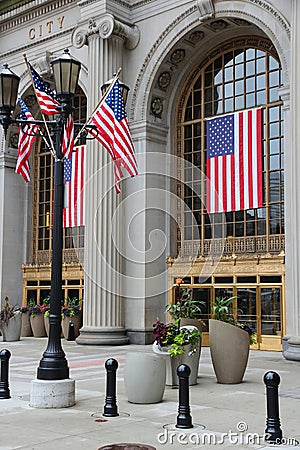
{"x": 247, "y": 308}
{"x": 204, "y": 295}
{"x": 270, "y": 316}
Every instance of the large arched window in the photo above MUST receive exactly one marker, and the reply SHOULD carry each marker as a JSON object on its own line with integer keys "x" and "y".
{"x": 241, "y": 74}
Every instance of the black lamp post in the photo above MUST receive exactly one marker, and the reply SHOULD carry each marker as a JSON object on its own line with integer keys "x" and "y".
{"x": 53, "y": 365}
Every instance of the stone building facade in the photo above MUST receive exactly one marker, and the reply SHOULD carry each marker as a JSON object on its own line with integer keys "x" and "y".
{"x": 184, "y": 61}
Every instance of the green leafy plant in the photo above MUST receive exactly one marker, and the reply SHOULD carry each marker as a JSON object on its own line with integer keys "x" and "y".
{"x": 222, "y": 310}
{"x": 185, "y": 307}
{"x": 71, "y": 308}
{"x": 7, "y": 312}
{"x": 169, "y": 334}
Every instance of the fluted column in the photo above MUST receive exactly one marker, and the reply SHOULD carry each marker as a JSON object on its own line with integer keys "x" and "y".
{"x": 291, "y": 342}
{"x": 103, "y": 318}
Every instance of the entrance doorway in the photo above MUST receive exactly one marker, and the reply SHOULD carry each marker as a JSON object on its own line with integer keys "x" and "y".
{"x": 259, "y": 306}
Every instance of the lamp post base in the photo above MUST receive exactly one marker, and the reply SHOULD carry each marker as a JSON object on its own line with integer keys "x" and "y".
{"x": 52, "y": 394}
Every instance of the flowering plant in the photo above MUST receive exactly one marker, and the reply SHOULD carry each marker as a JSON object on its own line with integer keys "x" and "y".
{"x": 72, "y": 307}
{"x": 35, "y": 308}
{"x": 169, "y": 334}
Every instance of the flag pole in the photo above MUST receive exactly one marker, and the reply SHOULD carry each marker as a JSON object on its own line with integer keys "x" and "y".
{"x": 98, "y": 104}
{"x": 51, "y": 146}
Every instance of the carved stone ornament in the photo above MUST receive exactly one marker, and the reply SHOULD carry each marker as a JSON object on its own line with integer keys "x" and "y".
{"x": 218, "y": 25}
{"x": 206, "y": 9}
{"x": 178, "y": 56}
{"x": 14, "y": 139}
{"x": 196, "y": 36}
{"x": 104, "y": 28}
{"x": 164, "y": 80}
{"x": 157, "y": 107}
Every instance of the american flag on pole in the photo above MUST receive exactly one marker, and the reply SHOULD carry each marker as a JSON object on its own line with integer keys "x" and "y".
{"x": 113, "y": 132}
{"x": 27, "y": 136}
{"x": 44, "y": 93}
{"x": 73, "y": 213}
{"x": 234, "y": 161}
{"x": 68, "y": 137}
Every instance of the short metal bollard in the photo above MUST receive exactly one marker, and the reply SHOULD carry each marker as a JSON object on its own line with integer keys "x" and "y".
{"x": 184, "y": 418}
{"x": 4, "y": 385}
{"x": 110, "y": 407}
{"x": 273, "y": 432}
{"x": 71, "y": 331}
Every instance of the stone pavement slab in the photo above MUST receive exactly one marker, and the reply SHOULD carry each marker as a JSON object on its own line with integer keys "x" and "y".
{"x": 224, "y": 416}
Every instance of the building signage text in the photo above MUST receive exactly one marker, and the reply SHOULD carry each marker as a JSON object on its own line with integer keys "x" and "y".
{"x": 46, "y": 28}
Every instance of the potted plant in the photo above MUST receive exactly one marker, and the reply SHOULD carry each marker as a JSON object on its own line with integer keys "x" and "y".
{"x": 178, "y": 345}
{"x": 229, "y": 342}
{"x": 10, "y": 322}
{"x": 71, "y": 312}
{"x": 186, "y": 310}
{"x": 37, "y": 322}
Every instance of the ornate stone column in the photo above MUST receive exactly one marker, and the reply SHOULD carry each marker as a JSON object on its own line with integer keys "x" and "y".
{"x": 103, "y": 318}
{"x": 291, "y": 342}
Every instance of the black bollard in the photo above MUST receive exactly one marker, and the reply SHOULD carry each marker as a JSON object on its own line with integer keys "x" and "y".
{"x": 273, "y": 432}
{"x": 71, "y": 332}
{"x": 184, "y": 418}
{"x": 4, "y": 385}
{"x": 110, "y": 407}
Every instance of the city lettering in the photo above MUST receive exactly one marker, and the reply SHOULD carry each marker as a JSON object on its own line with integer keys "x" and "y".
{"x": 46, "y": 28}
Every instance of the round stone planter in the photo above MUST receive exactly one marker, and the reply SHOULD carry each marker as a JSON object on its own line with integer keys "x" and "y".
{"x": 77, "y": 320}
{"x": 26, "y": 330}
{"x": 144, "y": 377}
{"x": 38, "y": 325}
{"x": 229, "y": 349}
{"x": 12, "y": 330}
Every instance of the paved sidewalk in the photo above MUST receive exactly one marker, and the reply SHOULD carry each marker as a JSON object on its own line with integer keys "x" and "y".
{"x": 227, "y": 416}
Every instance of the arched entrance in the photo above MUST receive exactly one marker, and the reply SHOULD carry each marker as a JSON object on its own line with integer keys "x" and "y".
{"x": 240, "y": 74}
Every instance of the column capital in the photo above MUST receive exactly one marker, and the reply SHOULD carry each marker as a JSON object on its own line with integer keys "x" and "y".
{"x": 104, "y": 27}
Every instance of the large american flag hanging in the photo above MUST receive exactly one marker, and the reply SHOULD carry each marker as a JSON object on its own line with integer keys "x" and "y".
{"x": 27, "y": 136}
{"x": 234, "y": 161}
{"x": 44, "y": 93}
{"x": 113, "y": 132}
{"x": 73, "y": 213}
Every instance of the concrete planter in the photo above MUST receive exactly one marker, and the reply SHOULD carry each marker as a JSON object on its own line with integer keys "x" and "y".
{"x": 26, "y": 330}
{"x": 229, "y": 348}
{"x": 77, "y": 320}
{"x": 144, "y": 377}
{"x": 38, "y": 325}
{"x": 12, "y": 330}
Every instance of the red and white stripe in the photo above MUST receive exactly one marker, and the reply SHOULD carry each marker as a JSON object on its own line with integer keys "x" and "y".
{"x": 235, "y": 182}
{"x": 68, "y": 138}
{"x": 116, "y": 137}
{"x": 73, "y": 213}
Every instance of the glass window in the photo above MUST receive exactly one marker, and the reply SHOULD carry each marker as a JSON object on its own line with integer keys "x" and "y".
{"x": 237, "y": 79}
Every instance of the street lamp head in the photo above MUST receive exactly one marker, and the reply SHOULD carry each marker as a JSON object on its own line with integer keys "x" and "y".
{"x": 123, "y": 87}
{"x": 66, "y": 73}
{"x": 9, "y": 85}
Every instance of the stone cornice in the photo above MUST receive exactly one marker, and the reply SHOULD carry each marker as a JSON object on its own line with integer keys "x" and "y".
{"x": 15, "y": 19}
{"x": 104, "y": 27}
